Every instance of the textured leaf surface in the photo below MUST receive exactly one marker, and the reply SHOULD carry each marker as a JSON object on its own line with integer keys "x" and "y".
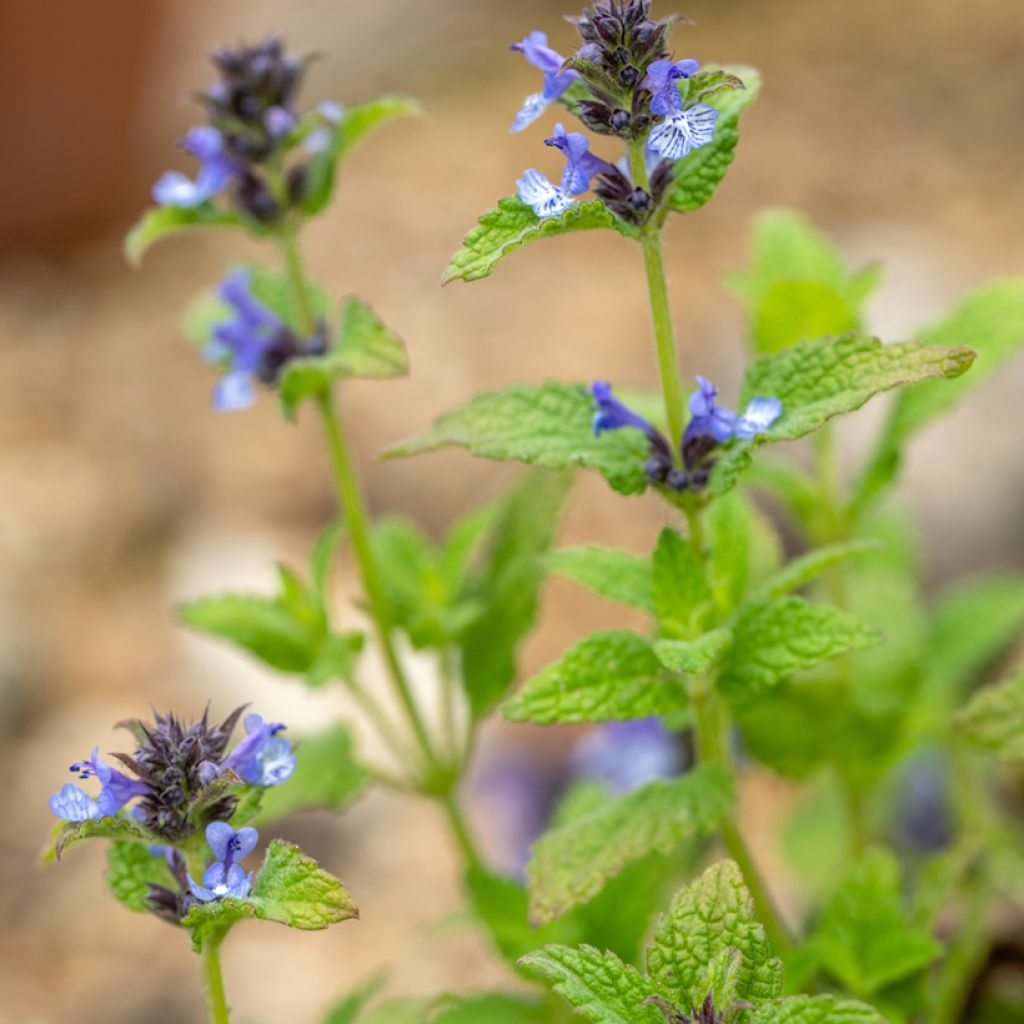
{"x": 506, "y": 586}
{"x": 682, "y": 597}
{"x": 818, "y": 380}
{"x": 131, "y": 868}
{"x": 363, "y": 347}
{"x": 805, "y": 568}
{"x": 66, "y": 834}
{"x": 814, "y": 1010}
{"x": 990, "y": 321}
{"x": 611, "y": 675}
{"x": 290, "y": 888}
{"x": 573, "y": 862}
{"x": 161, "y": 221}
{"x": 598, "y": 985}
{"x": 712, "y": 915}
{"x": 729, "y": 528}
{"x": 994, "y": 719}
{"x": 617, "y": 575}
{"x": 864, "y": 937}
{"x": 326, "y": 775}
{"x": 700, "y": 172}
{"x": 693, "y": 656}
{"x": 513, "y": 224}
{"x": 549, "y": 425}
{"x": 773, "y": 640}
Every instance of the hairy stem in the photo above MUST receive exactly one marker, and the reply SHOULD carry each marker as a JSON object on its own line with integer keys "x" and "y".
{"x": 350, "y": 498}
{"x": 213, "y": 981}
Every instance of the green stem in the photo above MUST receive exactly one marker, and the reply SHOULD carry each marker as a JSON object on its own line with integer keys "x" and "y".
{"x": 661, "y": 313}
{"x": 350, "y": 498}
{"x": 297, "y": 280}
{"x": 382, "y": 723}
{"x": 856, "y": 814}
{"x": 213, "y": 981}
{"x": 460, "y": 829}
{"x": 448, "y": 710}
{"x": 966, "y": 955}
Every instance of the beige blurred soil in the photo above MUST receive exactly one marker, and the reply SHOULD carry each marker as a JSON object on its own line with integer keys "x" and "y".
{"x": 896, "y": 127}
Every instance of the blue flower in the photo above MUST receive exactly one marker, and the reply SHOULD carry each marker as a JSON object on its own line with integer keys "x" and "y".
{"x": 683, "y": 131}
{"x": 612, "y": 414}
{"x": 625, "y": 755}
{"x": 73, "y": 804}
{"x": 225, "y": 877}
{"x": 545, "y": 199}
{"x": 263, "y": 758}
{"x": 707, "y": 416}
{"x": 536, "y": 50}
{"x": 243, "y": 342}
{"x": 580, "y": 164}
{"x": 216, "y": 168}
{"x": 662, "y": 76}
{"x": 759, "y": 415}
{"x": 278, "y": 121}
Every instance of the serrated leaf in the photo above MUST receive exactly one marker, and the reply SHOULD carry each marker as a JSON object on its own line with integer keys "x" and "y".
{"x": 362, "y": 347}
{"x": 356, "y": 122}
{"x": 290, "y": 888}
{"x": 693, "y": 657}
{"x": 682, "y": 597}
{"x": 131, "y": 869}
{"x": 864, "y": 938}
{"x": 994, "y": 719}
{"x": 263, "y": 626}
{"x": 506, "y": 586}
{"x": 326, "y": 776}
{"x": 991, "y": 321}
{"x": 549, "y": 425}
{"x": 513, "y": 224}
{"x": 713, "y": 914}
{"x": 818, "y": 380}
{"x": 599, "y": 986}
{"x": 614, "y": 574}
{"x": 774, "y": 640}
{"x": 573, "y": 862}
{"x": 700, "y": 172}
{"x": 729, "y": 526}
{"x": 66, "y": 834}
{"x": 814, "y": 1010}
{"x": 160, "y": 221}
{"x": 612, "y": 675}
{"x": 802, "y": 570}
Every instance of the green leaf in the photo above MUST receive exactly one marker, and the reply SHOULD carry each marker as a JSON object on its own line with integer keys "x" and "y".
{"x": 506, "y": 586}
{"x": 66, "y": 834}
{"x": 864, "y": 938}
{"x": 348, "y": 1011}
{"x": 798, "y": 287}
{"x": 710, "y": 916}
{"x": 264, "y": 626}
{"x": 729, "y": 528}
{"x": 817, "y": 380}
{"x": 599, "y": 986}
{"x": 326, "y": 775}
{"x": 776, "y": 639}
{"x": 612, "y": 675}
{"x": 321, "y": 559}
{"x": 513, "y": 224}
{"x": 700, "y": 172}
{"x": 991, "y": 321}
{"x": 160, "y": 221}
{"x": 994, "y": 719}
{"x": 363, "y": 347}
{"x": 802, "y": 570}
{"x": 693, "y": 657}
{"x": 813, "y": 1010}
{"x": 682, "y": 597}
{"x": 487, "y": 1008}
{"x": 614, "y": 574}
{"x": 549, "y": 425}
{"x": 356, "y": 122}
{"x": 408, "y": 1010}
{"x": 131, "y": 869}
{"x": 571, "y": 863}
{"x": 289, "y": 888}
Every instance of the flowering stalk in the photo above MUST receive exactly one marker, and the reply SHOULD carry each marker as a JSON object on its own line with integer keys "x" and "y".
{"x": 213, "y": 981}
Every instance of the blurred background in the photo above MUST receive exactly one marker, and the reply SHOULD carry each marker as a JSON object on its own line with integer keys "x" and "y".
{"x": 896, "y": 130}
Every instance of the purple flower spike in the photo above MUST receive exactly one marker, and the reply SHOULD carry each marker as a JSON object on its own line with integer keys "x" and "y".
{"x": 263, "y": 758}
{"x": 216, "y": 168}
{"x": 612, "y": 414}
{"x": 72, "y": 803}
{"x": 662, "y": 76}
{"x": 580, "y": 164}
{"x": 625, "y": 755}
{"x": 536, "y": 50}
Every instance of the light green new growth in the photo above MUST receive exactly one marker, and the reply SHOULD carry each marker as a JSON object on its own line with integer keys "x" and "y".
{"x": 616, "y": 575}
{"x": 994, "y": 719}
